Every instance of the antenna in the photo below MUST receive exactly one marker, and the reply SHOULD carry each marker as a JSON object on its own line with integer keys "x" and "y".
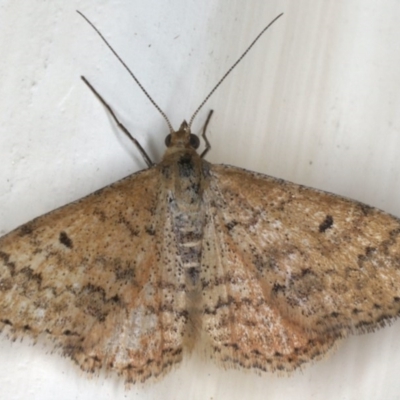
{"x": 130, "y": 73}
{"x": 231, "y": 69}
{"x": 209, "y": 94}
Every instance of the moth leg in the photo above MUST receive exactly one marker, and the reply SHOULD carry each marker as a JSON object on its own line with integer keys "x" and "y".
{"x": 142, "y": 151}
{"x": 208, "y": 144}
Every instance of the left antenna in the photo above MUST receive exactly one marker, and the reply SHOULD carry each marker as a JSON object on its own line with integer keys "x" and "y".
{"x": 130, "y": 73}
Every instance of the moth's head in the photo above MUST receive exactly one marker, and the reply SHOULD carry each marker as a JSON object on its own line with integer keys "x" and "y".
{"x": 183, "y": 138}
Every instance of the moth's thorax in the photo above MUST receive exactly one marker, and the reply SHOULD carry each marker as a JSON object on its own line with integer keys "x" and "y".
{"x": 184, "y": 176}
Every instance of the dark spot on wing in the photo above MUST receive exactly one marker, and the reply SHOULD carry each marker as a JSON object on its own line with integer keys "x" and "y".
{"x": 231, "y": 224}
{"x": 150, "y": 230}
{"x": 334, "y": 314}
{"x": 277, "y": 288}
{"x": 369, "y": 251}
{"x": 326, "y": 224}
{"x": 65, "y": 240}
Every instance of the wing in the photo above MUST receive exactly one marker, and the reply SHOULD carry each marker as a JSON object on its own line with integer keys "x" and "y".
{"x": 95, "y": 277}
{"x": 289, "y": 269}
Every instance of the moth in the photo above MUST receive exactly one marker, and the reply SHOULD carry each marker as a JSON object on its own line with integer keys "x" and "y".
{"x": 266, "y": 274}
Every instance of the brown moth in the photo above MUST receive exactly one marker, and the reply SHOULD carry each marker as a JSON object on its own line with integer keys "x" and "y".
{"x": 266, "y": 274}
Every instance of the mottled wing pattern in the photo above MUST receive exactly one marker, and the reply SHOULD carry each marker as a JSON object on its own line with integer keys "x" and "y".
{"x": 98, "y": 277}
{"x": 288, "y": 269}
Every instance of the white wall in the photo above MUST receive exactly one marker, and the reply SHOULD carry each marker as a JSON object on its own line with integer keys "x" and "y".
{"x": 316, "y": 102}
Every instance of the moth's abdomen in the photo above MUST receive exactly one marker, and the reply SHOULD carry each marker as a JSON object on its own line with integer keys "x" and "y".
{"x": 189, "y": 233}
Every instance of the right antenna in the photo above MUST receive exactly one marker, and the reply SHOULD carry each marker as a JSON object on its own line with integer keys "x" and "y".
{"x": 230, "y": 69}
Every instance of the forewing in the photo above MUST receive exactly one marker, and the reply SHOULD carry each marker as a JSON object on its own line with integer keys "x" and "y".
{"x": 289, "y": 269}
{"x": 94, "y": 275}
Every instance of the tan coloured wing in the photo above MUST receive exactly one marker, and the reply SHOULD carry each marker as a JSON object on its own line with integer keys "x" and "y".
{"x": 288, "y": 269}
{"x": 94, "y": 276}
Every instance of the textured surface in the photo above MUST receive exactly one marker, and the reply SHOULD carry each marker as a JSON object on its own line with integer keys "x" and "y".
{"x": 328, "y": 119}
{"x": 98, "y": 276}
{"x": 300, "y": 266}
{"x": 268, "y": 273}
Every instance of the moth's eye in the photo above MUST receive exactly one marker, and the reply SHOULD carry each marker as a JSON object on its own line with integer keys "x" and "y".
{"x": 194, "y": 141}
{"x": 168, "y": 140}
